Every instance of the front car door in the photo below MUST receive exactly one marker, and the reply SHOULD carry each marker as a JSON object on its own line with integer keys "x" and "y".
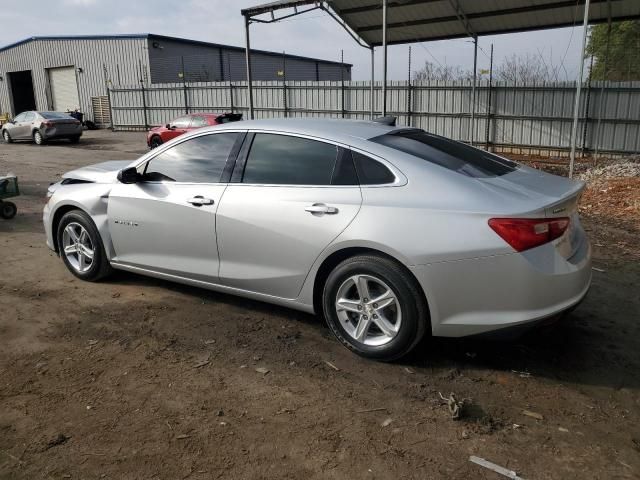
{"x": 166, "y": 222}
{"x": 290, "y": 197}
{"x": 177, "y": 127}
{"x": 20, "y": 128}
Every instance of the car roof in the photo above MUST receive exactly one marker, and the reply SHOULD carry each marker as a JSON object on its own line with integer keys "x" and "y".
{"x": 338, "y": 130}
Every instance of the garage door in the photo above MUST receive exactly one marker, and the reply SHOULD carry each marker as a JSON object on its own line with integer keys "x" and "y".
{"x": 64, "y": 89}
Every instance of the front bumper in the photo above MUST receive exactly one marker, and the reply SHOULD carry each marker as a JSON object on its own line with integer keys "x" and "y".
{"x": 46, "y": 221}
{"x": 475, "y": 296}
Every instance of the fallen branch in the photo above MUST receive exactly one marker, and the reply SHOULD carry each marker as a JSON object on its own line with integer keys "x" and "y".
{"x": 496, "y": 468}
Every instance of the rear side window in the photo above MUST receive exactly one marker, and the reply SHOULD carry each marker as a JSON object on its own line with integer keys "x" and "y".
{"x": 285, "y": 160}
{"x": 370, "y": 171}
{"x": 447, "y": 153}
{"x": 29, "y": 116}
{"x": 198, "y": 160}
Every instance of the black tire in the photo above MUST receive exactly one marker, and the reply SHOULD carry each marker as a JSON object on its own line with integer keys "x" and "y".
{"x": 156, "y": 141}
{"x": 6, "y": 137}
{"x": 415, "y": 313}
{"x": 100, "y": 267}
{"x": 75, "y": 139}
{"x": 38, "y": 138}
{"x": 8, "y": 210}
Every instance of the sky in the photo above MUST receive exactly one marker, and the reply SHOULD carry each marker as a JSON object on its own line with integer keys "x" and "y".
{"x": 313, "y": 34}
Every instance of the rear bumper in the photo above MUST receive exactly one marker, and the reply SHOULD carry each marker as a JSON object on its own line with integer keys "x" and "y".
{"x": 59, "y": 132}
{"x": 480, "y": 295}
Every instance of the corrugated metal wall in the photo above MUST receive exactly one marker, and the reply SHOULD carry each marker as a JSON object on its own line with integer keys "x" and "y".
{"x": 528, "y": 117}
{"x": 123, "y": 58}
{"x": 203, "y": 63}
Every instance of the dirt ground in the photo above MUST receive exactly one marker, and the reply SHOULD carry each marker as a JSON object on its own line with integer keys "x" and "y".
{"x": 136, "y": 378}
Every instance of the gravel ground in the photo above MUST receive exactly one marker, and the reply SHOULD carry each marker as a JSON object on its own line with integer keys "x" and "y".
{"x": 138, "y": 378}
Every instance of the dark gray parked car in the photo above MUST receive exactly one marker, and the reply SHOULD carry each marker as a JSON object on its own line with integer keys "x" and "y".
{"x": 41, "y": 127}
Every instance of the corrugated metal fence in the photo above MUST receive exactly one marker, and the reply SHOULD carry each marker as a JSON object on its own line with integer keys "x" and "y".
{"x": 532, "y": 118}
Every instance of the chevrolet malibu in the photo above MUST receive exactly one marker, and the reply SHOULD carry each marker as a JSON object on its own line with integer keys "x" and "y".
{"x": 389, "y": 233}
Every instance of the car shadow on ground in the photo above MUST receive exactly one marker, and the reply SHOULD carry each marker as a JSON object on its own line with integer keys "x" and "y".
{"x": 569, "y": 351}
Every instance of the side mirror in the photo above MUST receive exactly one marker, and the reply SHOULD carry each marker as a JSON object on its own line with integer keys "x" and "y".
{"x": 168, "y": 126}
{"x": 129, "y": 175}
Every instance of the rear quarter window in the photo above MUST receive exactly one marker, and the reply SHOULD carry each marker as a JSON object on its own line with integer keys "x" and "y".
{"x": 447, "y": 153}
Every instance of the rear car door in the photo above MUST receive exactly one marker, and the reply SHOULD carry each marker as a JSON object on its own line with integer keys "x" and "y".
{"x": 290, "y": 197}
{"x": 166, "y": 222}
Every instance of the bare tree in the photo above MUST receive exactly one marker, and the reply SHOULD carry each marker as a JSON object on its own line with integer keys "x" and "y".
{"x": 432, "y": 72}
{"x": 526, "y": 68}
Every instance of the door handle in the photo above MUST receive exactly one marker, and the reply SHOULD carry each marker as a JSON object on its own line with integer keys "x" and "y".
{"x": 199, "y": 200}
{"x": 321, "y": 209}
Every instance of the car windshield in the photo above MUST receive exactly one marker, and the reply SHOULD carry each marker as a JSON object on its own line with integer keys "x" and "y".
{"x": 54, "y": 115}
{"x": 447, "y": 153}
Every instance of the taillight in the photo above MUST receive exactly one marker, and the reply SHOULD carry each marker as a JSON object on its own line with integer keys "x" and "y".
{"x": 525, "y": 233}
{"x": 48, "y": 124}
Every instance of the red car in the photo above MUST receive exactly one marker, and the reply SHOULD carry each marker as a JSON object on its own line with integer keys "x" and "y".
{"x": 158, "y": 135}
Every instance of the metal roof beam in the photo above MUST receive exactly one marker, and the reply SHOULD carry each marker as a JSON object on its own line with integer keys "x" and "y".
{"x": 378, "y": 6}
{"x": 481, "y": 15}
{"x": 462, "y": 17}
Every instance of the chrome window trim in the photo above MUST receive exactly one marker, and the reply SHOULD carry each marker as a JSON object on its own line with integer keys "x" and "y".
{"x": 400, "y": 179}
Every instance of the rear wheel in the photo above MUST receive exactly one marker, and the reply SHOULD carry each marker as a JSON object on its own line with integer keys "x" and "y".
{"x": 8, "y": 210}
{"x": 375, "y": 307}
{"x": 81, "y": 247}
{"x": 38, "y": 138}
{"x": 156, "y": 141}
{"x": 6, "y": 137}
{"x": 74, "y": 139}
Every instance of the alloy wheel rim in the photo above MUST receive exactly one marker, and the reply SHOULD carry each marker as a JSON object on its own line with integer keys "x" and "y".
{"x": 77, "y": 247}
{"x": 368, "y": 310}
{"x": 38, "y": 137}
{"x": 6, "y": 135}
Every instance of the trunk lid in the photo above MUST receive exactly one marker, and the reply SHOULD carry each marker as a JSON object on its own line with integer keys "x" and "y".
{"x": 535, "y": 193}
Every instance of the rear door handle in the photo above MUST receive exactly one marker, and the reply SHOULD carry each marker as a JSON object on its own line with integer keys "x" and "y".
{"x": 321, "y": 209}
{"x": 199, "y": 200}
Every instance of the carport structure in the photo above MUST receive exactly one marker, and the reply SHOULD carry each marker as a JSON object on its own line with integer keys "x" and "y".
{"x": 379, "y": 23}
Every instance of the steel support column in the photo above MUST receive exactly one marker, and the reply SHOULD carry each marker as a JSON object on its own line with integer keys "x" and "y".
{"x": 371, "y": 89}
{"x": 384, "y": 58}
{"x": 473, "y": 89}
{"x": 248, "y": 61}
{"x": 576, "y": 106}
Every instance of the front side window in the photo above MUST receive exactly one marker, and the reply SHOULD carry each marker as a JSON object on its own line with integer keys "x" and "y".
{"x": 285, "y": 160}
{"x": 197, "y": 160}
{"x": 197, "y": 122}
{"x": 447, "y": 153}
{"x": 182, "y": 122}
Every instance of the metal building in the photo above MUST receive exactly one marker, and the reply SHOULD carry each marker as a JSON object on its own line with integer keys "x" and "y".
{"x": 68, "y": 72}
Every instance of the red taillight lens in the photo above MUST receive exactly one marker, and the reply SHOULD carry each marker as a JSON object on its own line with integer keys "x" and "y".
{"x": 525, "y": 233}
{"x": 48, "y": 124}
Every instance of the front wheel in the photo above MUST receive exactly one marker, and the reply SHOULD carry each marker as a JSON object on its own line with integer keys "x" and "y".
{"x": 8, "y": 210}
{"x": 156, "y": 141}
{"x": 38, "y": 138}
{"x": 81, "y": 247}
{"x": 375, "y": 307}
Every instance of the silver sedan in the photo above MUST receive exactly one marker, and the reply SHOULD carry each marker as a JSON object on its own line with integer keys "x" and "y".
{"x": 41, "y": 127}
{"x": 389, "y": 233}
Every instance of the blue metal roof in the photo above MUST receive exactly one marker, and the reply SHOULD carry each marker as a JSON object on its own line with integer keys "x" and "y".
{"x": 158, "y": 37}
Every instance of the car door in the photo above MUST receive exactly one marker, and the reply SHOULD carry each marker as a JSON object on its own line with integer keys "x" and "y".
{"x": 20, "y": 128}
{"x": 282, "y": 209}
{"x": 166, "y": 221}
{"x": 177, "y": 127}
